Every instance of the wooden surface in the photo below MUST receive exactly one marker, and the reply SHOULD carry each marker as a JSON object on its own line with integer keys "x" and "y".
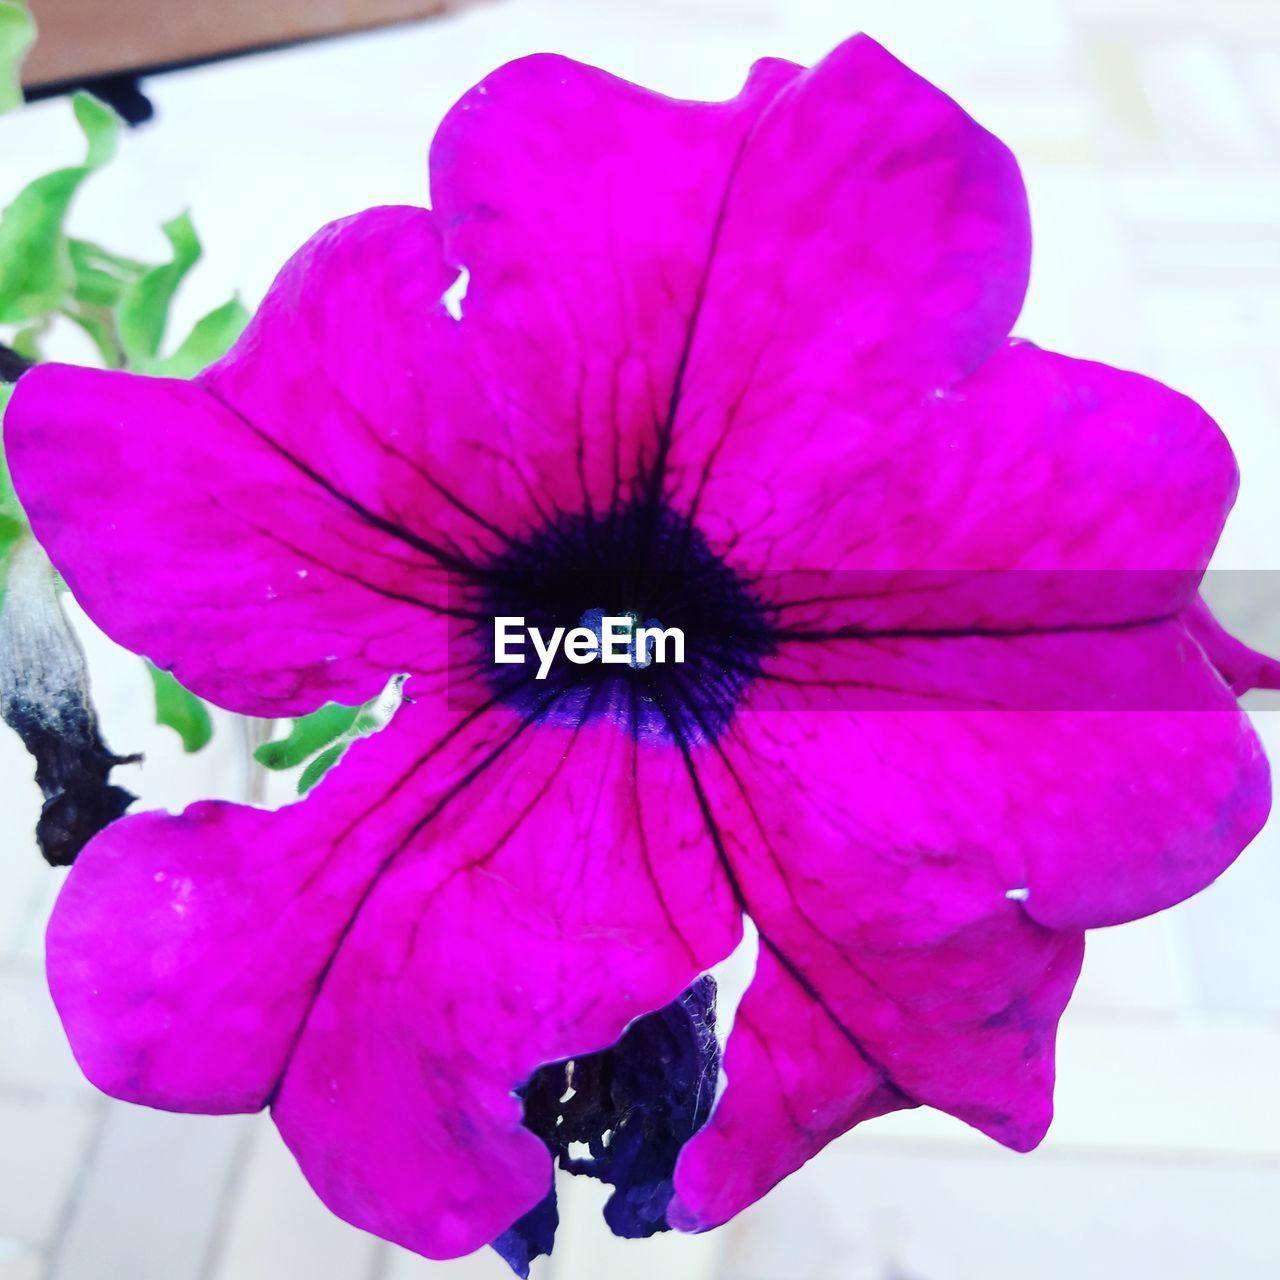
{"x": 80, "y": 38}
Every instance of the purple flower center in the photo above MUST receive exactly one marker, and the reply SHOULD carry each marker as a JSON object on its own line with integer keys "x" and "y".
{"x": 644, "y": 560}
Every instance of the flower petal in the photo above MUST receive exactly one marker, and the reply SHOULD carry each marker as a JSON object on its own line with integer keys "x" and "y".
{"x": 355, "y": 365}
{"x": 874, "y": 246}
{"x": 462, "y": 900}
{"x": 967, "y": 1035}
{"x": 229, "y": 541}
{"x": 578, "y": 907}
{"x": 1153, "y": 667}
{"x": 923, "y": 881}
{"x": 1104, "y": 814}
{"x": 584, "y": 210}
{"x": 183, "y": 950}
{"x": 1042, "y": 491}
{"x": 795, "y": 1084}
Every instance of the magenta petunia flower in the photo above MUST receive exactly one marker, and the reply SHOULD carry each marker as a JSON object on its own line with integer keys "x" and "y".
{"x": 949, "y": 698}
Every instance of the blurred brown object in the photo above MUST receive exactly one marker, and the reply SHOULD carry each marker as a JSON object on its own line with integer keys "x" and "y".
{"x": 84, "y": 38}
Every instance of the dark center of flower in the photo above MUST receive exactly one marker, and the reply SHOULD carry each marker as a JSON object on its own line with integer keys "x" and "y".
{"x": 650, "y": 571}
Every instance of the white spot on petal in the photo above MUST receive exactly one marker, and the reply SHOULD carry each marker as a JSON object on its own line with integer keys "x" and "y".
{"x": 454, "y": 294}
{"x": 1018, "y": 895}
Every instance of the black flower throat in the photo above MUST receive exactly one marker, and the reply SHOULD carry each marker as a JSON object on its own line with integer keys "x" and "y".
{"x": 650, "y": 562}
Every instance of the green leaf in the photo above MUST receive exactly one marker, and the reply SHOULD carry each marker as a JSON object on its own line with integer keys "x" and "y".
{"x": 179, "y": 709}
{"x": 101, "y": 128}
{"x": 99, "y": 279}
{"x": 307, "y": 736}
{"x": 13, "y": 523}
{"x": 26, "y": 342}
{"x": 100, "y": 275}
{"x": 11, "y": 533}
{"x": 211, "y": 337}
{"x": 145, "y": 302}
{"x": 99, "y": 324}
{"x": 36, "y": 273}
{"x": 334, "y": 728}
{"x": 17, "y": 33}
{"x": 321, "y": 765}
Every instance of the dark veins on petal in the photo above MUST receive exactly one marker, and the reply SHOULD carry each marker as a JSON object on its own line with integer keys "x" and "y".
{"x": 631, "y": 1109}
{"x": 644, "y": 559}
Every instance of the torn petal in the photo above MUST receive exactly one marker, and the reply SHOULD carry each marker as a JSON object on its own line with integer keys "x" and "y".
{"x": 633, "y": 1107}
{"x": 532, "y": 1236}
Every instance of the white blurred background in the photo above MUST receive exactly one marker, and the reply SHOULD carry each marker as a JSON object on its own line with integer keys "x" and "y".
{"x": 1149, "y": 133}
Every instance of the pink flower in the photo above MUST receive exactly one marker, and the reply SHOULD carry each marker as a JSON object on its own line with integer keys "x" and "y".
{"x": 742, "y": 367}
